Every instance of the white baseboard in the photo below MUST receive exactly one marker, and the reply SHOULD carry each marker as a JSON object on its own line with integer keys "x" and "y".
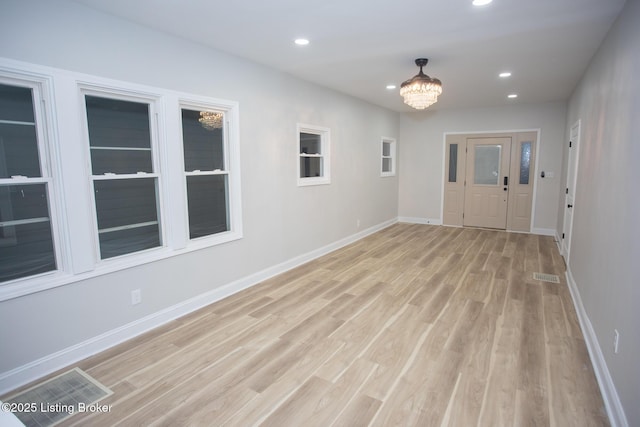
{"x": 413, "y": 220}
{"x": 437, "y": 221}
{"x": 544, "y": 231}
{"x": 612, "y": 403}
{"x": 31, "y": 371}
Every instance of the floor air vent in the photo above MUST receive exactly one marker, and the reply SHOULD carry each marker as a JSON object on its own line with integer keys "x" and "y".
{"x": 54, "y": 400}
{"x": 551, "y": 278}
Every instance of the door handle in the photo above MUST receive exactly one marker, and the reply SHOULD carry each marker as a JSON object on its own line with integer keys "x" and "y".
{"x": 569, "y": 206}
{"x": 506, "y": 180}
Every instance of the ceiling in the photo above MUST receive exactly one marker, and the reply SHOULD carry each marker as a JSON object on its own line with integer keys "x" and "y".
{"x": 360, "y": 46}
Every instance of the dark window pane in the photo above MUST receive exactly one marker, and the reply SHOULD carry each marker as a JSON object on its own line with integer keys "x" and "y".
{"x": 386, "y": 165}
{"x": 203, "y": 147}
{"x": 26, "y": 250}
{"x": 121, "y": 242}
{"x": 120, "y": 161}
{"x": 207, "y": 198}
{"x": 18, "y": 141}
{"x": 453, "y": 162}
{"x": 16, "y": 104}
{"x": 525, "y": 162}
{"x": 386, "y": 149}
{"x": 26, "y": 242}
{"x": 19, "y": 202}
{"x": 310, "y": 167}
{"x": 310, "y": 143}
{"x": 119, "y": 136}
{"x": 127, "y": 215}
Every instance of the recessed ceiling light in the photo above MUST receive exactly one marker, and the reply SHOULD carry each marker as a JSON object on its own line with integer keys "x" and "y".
{"x": 512, "y": 95}
{"x": 505, "y": 74}
{"x": 301, "y": 42}
{"x": 481, "y": 2}
{"x": 391, "y": 87}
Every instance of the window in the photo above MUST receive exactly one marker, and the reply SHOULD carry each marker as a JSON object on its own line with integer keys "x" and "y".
{"x": 205, "y": 145}
{"x": 27, "y": 238}
{"x": 453, "y": 162}
{"x": 123, "y": 173}
{"x": 525, "y": 162}
{"x": 143, "y": 149}
{"x": 487, "y": 164}
{"x": 388, "y": 157}
{"x": 313, "y": 155}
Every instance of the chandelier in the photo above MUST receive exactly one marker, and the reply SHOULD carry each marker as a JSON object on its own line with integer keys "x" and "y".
{"x": 210, "y": 120}
{"x": 421, "y": 90}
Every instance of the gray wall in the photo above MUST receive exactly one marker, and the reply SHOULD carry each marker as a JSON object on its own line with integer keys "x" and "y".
{"x": 281, "y": 220}
{"x": 605, "y": 247}
{"x": 421, "y": 154}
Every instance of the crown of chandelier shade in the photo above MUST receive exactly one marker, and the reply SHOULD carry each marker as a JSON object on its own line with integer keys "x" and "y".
{"x": 210, "y": 120}
{"x": 421, "y": 90}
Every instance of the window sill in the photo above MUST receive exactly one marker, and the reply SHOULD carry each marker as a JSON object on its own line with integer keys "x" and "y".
{"x": 22, "y": 287}
{"x": 303, "y": 182}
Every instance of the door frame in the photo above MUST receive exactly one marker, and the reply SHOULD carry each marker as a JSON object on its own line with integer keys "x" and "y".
{"x": 496, "y": 133}
{"x": 571, "y": 182}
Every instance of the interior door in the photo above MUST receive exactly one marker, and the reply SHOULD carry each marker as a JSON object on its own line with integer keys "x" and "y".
{"x": 487, "y": 182}
{"x": 572, "y": 174}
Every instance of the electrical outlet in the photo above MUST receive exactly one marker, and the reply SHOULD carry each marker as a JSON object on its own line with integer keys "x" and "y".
{"x": 616, "y": 341}
{"x": 136, "y": 296}
{"x": 358, "y": 223}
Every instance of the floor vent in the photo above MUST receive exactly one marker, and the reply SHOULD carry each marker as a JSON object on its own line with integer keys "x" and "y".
{"x": 551, "y": 278}
{"x": 58, "y": 398}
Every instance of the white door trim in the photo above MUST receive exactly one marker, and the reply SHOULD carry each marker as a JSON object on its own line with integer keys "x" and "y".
{"x": 571, "y": 183}
{"x": 504, "y": 131}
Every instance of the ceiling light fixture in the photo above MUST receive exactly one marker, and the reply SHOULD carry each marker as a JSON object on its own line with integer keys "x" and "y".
{"x": 301, "y": 42}
{"x": 391, "y": 87}
{"x": 210, "y": 120}
{"x": 481, "y": 2}
{"x": 512, "y": 95}
{"x": 421, "y": 90}
{"x": 505, "y": 74}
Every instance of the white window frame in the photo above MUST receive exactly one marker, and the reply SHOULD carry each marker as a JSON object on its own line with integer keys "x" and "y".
{"x": 154, "y": 102}
{"x": 63, "y": 118}
{"x": 325, "y": 154}
{"x": 391, "y": 156}
{"x": 231, "y": 148}
{"x": 45, "y": 125}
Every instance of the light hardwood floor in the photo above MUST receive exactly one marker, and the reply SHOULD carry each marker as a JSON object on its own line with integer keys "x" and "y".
{"x": 414, "y": 325}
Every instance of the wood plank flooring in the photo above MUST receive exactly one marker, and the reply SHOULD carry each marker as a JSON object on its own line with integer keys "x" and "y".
{"x": 415, "y": 325}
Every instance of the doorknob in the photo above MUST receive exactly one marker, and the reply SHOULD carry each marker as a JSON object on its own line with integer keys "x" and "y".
{"x": 569, "y": 206}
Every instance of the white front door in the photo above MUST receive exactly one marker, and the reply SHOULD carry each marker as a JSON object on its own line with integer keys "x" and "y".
{"x": 570, "y": 191}
{"x": 487, "y": 182}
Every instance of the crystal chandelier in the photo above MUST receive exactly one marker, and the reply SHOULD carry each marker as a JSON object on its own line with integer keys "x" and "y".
{"x": 421, "y": 90}
{"x": 210, "y": 120}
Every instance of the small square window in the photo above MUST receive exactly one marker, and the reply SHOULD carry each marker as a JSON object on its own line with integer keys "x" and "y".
{"x": 313, "y": 155}
{"x": 388, "y": 157}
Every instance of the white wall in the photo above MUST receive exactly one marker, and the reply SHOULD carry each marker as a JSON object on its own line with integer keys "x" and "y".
{"x": 421, "y": 154}
{"x": 281, "y": 220}
{"x": 605, "y": 247}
